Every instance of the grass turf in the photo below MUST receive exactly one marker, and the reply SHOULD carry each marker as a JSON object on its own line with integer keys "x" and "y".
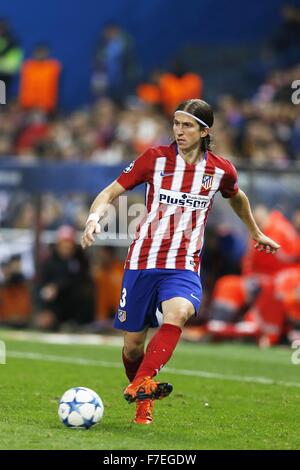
{"x": 229, "y": 409}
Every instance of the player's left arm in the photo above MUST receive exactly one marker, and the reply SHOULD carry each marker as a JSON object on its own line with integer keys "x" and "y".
{"x": 241, "y": 206}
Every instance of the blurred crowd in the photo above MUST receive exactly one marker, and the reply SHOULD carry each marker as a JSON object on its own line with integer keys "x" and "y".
{"x": 263, "y": 130}
{"x": 131, "y": 111}
{"x": 247, "y": 295}
{"x": 103, "y": 133}
{"x": 262, "y": 300}
{"x": 70, "y": 291}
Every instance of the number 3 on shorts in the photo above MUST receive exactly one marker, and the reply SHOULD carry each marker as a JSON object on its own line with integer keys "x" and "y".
{"x": 123, "y": 298}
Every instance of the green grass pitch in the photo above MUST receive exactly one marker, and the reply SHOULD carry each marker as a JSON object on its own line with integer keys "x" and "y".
{"x": 229, "y": 396}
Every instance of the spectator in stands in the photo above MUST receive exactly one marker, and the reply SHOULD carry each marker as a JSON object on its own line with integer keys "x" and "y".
{"x": 167, "y": 89}
{"x": 39, "y": 84}
{"x": 24, "y": 216}
{"x": 51, "y": 213}
{"x": 66, "y": 289}
{"x": 15, "y": 296}
{"x": 5, "y": 145}
{"x": 267, "y": 294}
{"x": 274, "y": 224}
{"x": 224, "y": 249}
{"x": 115, "y": 70}
{"x": 232, "y": 297}
{"x": 285, "y": 42}
{"x": 276, "y": 310}
{"x": 287, "y": 292}
{"x": 11, "y": 55}
{"x": 264, "y": 130}
{"x": 107, "y": 275}
{"x": 267, "y": 312}
{"x": 32, "y": 134}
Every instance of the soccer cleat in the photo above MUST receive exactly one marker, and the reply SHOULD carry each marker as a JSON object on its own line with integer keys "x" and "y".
{"x": 143, "y": 413}
{"x": 144, "y": 388}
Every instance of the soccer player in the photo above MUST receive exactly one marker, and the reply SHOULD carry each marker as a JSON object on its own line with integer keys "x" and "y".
{"x": 163, "y": 262}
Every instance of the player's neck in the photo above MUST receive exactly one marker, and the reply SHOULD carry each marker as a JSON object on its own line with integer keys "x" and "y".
{"x": 192, "y": 155}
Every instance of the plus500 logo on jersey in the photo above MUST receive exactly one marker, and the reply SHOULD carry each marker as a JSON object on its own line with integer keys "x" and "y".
{"x": 183, "y": 199}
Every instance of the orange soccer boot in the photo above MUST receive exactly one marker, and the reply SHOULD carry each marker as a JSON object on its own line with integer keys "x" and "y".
{"x": 146, "y": 388}
{"x": 143, "y": 412}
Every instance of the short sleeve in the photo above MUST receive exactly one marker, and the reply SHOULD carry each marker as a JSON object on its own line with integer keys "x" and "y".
{"x": 229, "y": 184}
{"x": 137, "y": 172}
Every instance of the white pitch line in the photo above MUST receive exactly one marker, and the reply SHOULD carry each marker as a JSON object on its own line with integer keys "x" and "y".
{"x": 64, "y": 359}
{"x": 117, "y": 341}
{"x": 116, "y": 365}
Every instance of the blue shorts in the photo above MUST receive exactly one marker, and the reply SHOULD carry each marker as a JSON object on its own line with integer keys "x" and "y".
{"x": 144, "y": 290}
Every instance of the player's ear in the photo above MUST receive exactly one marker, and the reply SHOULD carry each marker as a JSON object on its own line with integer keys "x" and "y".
{"x": 204, "y": 132}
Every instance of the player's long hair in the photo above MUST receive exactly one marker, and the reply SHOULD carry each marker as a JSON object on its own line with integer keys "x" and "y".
{"x": 203, "y": 111}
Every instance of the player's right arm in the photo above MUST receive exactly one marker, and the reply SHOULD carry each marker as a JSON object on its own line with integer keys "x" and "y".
{"x": 97, "y": 210}
{"x": 134, "y": 174}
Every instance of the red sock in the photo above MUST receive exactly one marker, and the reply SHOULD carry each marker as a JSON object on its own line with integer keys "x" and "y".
{"x": 131, "y": 367}
{"x": 159, "y": 350}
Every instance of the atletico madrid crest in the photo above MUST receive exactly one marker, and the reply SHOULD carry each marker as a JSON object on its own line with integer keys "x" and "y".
{"x": 207, "y": 181}
{"x": 122, "y": 315}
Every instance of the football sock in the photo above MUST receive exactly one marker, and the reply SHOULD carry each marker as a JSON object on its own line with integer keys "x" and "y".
{"x": 131, "y": 367}
{"x": 159, "y": 350}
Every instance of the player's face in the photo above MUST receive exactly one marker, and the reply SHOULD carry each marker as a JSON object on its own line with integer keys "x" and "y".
{"x": 187, "y": 132}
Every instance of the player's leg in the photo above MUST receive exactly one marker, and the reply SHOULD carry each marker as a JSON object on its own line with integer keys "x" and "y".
{"x": 176, "y": 312}
{"x": 133, "y": 352}
{"x": 138, "y": 297}
{"x": 180, "y": 296}
{"x": 131, "y": 318}
{"x": 132, "y": 355}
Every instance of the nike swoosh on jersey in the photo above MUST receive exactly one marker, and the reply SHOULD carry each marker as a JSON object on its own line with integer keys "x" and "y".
{"x": 162, "y": 174}
{"x": 194, "y": 297}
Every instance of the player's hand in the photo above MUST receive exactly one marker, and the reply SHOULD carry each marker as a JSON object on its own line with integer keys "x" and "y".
{"x": 88, "y": 238}
{"x": 264, "y": 243}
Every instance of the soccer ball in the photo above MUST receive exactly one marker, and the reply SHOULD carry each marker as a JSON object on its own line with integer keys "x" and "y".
{"x": 80, "y": 407}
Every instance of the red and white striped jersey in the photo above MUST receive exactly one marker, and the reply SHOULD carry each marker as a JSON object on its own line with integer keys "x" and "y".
{"x": 178, "y": 199}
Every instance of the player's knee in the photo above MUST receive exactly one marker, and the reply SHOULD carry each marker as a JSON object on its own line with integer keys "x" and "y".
{"x": 179, "y": 316}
